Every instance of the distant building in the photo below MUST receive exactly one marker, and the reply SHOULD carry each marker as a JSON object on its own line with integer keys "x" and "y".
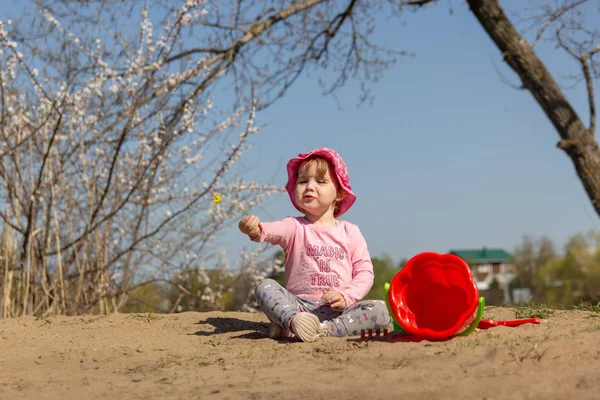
{"x": 489, "y": 266}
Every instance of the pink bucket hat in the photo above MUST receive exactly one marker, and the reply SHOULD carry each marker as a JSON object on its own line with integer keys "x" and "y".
{"x": 341, "y": 173}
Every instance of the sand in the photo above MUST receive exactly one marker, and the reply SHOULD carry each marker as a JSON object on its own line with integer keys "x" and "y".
{"x": 220, "y": 355}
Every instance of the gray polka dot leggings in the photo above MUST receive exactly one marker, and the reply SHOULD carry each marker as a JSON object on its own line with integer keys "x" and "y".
{"x": 280, "y": 306}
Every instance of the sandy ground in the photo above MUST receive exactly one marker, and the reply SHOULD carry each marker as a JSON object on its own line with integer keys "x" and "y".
{"x": 228, "y": 356}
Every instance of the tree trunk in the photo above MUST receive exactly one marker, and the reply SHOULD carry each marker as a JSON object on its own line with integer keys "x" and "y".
{"x": 576, "y": 140}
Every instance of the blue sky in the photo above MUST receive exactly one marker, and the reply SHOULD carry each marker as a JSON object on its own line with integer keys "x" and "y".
{"x": 448, "y": 156}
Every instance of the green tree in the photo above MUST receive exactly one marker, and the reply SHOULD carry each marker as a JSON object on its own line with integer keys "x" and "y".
{"x": 575, "y": 276}
{"x": 528, "y": 258}
{"x": 384, "y": 269}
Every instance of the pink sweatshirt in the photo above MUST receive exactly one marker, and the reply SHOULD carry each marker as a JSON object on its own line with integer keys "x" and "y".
{"x": 320, "y": 258}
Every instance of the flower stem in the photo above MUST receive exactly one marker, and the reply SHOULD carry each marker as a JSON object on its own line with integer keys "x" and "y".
{"x": 239, "y": 208}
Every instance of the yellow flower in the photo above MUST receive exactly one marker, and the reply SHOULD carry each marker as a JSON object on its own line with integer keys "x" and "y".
{"x": 217, "y": 199}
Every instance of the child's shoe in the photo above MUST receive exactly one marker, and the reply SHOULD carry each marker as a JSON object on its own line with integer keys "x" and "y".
{"x": 279, "y": 332}
{"x": 307, "y": 327}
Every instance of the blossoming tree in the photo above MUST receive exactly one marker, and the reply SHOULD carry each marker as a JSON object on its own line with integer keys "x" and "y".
{"x": 109, "y": 161}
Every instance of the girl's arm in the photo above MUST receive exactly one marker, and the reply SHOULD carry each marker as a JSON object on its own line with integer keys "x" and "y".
{"x": 280, "y": 233}
{"x": 362, "y": 269}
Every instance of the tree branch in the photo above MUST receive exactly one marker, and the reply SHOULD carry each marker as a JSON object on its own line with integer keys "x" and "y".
{"x": 194, "y": 51}
{"x": 583, "y": 60}
{"x": 416, "y": 3}
{"x": 590, "y": 90}
{"x": 594, "y": 50}
{"x": 554, "y": 16}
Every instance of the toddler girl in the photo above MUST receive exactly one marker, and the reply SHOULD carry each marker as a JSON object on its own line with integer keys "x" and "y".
{"x": 328, "y": 268}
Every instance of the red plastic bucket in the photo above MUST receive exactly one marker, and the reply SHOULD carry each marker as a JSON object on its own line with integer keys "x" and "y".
{"x": 433, "y": 296}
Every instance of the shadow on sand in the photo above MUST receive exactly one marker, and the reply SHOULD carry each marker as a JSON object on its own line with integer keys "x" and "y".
{"x": 260, "y": 330}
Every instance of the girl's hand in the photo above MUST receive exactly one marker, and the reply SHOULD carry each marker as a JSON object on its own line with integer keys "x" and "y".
{"x": 249, "y": 226}
{"x": 335, "y": 299}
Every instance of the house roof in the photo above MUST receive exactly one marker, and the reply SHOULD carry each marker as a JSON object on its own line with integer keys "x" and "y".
{"x": 482, "y": 255}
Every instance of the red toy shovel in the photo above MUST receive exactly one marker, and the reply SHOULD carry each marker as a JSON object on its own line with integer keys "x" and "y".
{"x": 488, "y": 323}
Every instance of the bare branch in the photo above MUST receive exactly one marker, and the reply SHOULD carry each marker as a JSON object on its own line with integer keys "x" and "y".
{"x": 417, "y": 3}
{"x": 504, "y": 79}
{"x": 553, "y": 17}
{"x": 590, "y": 91}
{"x": 570, "y": 51}
{"x": 190, "y": 52}
{"x": 583, "y": 60}
{"x": 593, "y": 51}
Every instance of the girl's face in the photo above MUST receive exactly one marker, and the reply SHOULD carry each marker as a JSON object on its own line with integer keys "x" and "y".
{"x": 315, "y": 192}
